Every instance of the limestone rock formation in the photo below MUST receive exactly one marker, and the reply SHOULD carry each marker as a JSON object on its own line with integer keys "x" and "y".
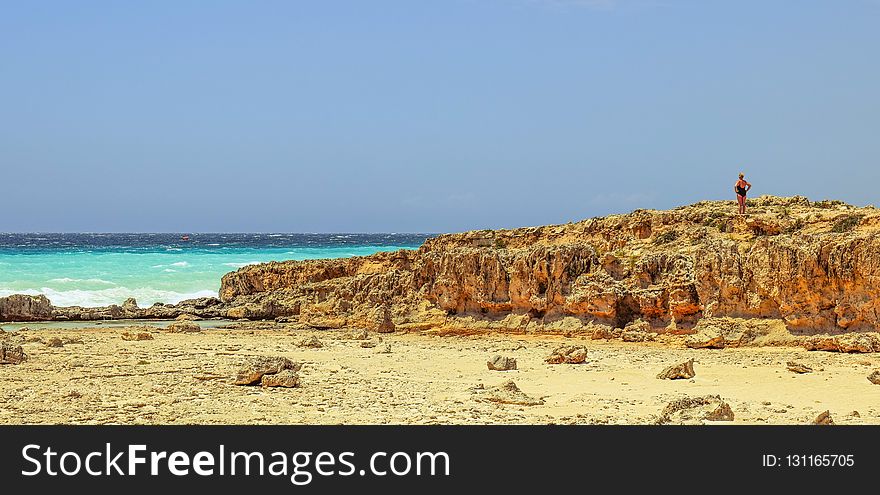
{"x": 683, "y": 371}
{"x": 851, "y": 342}
{"x": 568, "y": 354}
{"x": 254, "y": 370}
{"x": 18, "y": 307}
{"x": 789, "y": 262}
{"x": 501, "y": 363}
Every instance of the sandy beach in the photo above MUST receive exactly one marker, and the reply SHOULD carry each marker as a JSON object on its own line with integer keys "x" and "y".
{"x": 96, "y": 377}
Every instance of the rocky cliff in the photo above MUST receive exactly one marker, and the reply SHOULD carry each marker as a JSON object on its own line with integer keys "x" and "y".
{"x": 810, "y": 266}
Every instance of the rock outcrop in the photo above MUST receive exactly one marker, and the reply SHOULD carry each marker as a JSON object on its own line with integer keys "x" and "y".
{"x": 811, "y": 267}
{"x": 19, "y": 307}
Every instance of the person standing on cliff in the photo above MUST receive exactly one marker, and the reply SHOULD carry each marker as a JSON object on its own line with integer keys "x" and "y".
{"x": 741, "y": 187}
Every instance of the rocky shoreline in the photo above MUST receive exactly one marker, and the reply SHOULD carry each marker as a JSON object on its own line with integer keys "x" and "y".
{"x": 785, "y": 273}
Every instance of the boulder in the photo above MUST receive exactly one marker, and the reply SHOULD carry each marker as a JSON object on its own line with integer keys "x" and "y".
{"x": 823, "y": 418}
{"x": 130, "y": 304}
{"x": 567, "y": 354}
{"x": 501, "y": 363}
{"x": 285, "y": 378}
{"x": 253, "y": 371}
{"x": 683, "y": 371}
{"x": 54, "y": 342}
{"x": 137, "y": 336}
{"x": 11, "y": 354}
{"x": 874, "y": 378}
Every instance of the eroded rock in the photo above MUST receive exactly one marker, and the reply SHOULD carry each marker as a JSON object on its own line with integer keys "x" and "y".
{"x": 11, "y": 354}
{"x": 311, "y": 342}
{"x": 183, "y": 327}
{"x": 137, "y": 336}
{"x": 568, "y": 354}
{"x": 285, "y": 378}
{"x": 696, "y": 410}
{"x": 848, "y": 342}
{"x": 501, "y": 363}
{"x": 509, "y": 393}
{"x": 706, "y": 338}
{"x": 683, "y": 371}
{"x": 798, "y": 368}
{"x": 823, "y": 418}
{"x": 254, "y": 370}
{"x": 874, "y": 378}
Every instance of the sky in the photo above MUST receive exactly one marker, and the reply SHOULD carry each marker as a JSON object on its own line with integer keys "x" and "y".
{"x": 425, "y": 116}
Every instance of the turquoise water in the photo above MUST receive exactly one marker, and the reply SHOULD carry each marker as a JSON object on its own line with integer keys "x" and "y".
{"x": 102, "y": 269}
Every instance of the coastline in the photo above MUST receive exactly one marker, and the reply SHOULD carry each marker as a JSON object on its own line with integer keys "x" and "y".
{"x": 406, "y": 336}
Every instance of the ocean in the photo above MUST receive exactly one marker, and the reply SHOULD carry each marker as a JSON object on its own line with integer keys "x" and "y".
{"x": 101, "y": 269}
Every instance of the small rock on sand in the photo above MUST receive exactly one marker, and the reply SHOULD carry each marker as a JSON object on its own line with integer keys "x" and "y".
{"x": 251, "y": 372}
{"x": 567, "y": 354}
{"x": 681, "y": 371}
{"x": 284, "y": 378}
{"x": 311, "y": 342}
{"x": 823, "y": 418}
{"x": 54, "y": 342}
{"x": 874, "y": 378}
{"x": 798, "y": 368}
{"x": 183, "y": 327}
{"x": 501, "y": 363}
{"x": 137, "y": 336}
{"x": 696, "y": 410}
{"x": 509, "y": 393}
{"x": 368, "y": 344}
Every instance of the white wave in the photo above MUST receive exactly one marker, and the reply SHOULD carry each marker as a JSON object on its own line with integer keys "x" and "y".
{"x": 239, "y": 265}
{"x": 169, "y": 270}
{"x": 116, "y": 295}
{"x": 66, "y": 280}
{"x": 180, "y": 263}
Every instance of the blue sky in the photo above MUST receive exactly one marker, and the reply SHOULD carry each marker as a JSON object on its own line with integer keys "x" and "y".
{"x": 436, "y": 116}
